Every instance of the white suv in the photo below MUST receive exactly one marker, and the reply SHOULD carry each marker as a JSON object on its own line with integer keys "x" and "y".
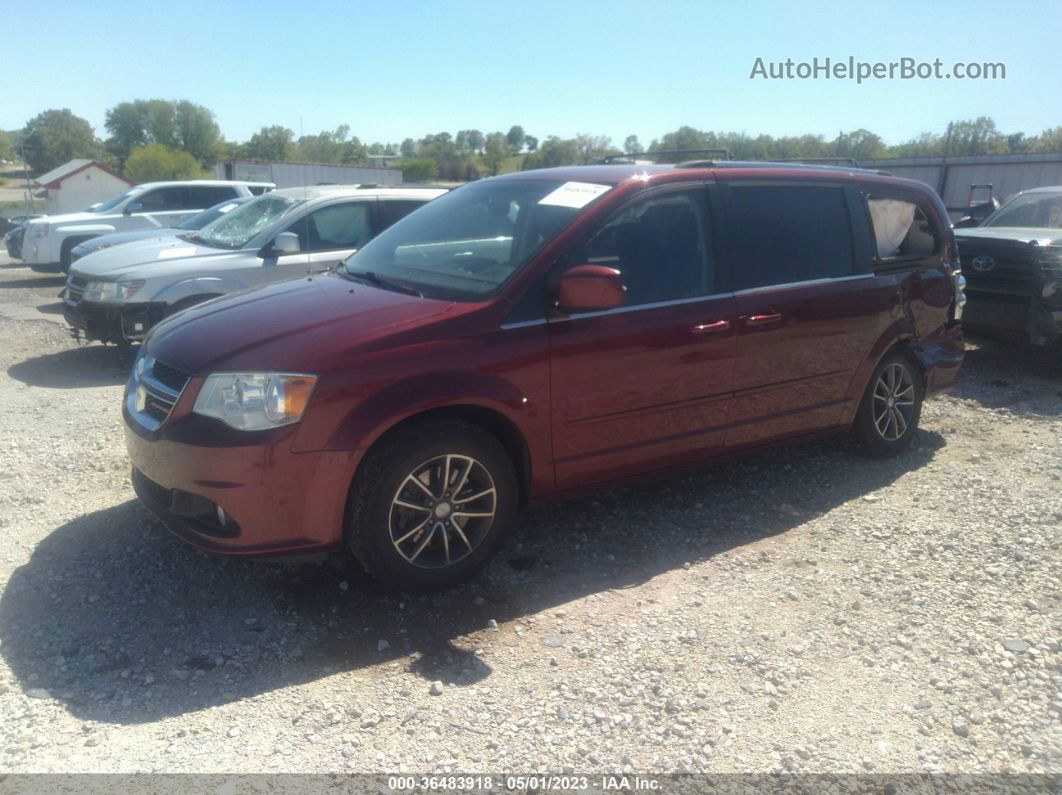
{"x": 48, "y": 241}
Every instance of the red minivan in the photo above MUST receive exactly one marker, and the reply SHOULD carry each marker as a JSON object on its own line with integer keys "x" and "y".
{"x": 537, "y": 334}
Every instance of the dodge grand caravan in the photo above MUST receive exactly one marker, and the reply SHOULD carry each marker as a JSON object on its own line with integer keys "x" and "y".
{"x": 536, "y": 334}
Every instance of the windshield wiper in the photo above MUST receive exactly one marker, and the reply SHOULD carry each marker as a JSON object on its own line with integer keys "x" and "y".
{"x": 378, "y": 281}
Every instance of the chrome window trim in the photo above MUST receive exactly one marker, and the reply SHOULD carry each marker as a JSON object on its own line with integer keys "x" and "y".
{"x": 804, "y": 283}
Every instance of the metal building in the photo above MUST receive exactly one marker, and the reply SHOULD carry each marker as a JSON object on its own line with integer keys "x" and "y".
{"x": 953, "y": 176}
{"x": 293, "y": 175}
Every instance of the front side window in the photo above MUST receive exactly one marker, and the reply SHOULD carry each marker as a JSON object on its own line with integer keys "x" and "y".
{"x": 114, "y": 201}
{"x": 1038, "y": 210}
{"x": 466, "y": 244}
{"x": 788, "y": 233}
{"x": 162, "y": 200}
{"x": 336, "y": 227}
{"x": 240, "y": 226}
{"x": 901, "y": 228}
{"x": 658, "y": 245}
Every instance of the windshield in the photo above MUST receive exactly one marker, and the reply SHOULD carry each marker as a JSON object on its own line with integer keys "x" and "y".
{"x": 1040, "y": 209}
{"x": 199, "y": 220}
{"x": 464, "y": 245}
{"x": 238, "y": 227}
{"x": 112, "y": 202}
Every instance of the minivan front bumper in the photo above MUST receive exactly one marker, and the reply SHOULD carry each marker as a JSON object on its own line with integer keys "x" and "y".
{"x": 273, "y": 501}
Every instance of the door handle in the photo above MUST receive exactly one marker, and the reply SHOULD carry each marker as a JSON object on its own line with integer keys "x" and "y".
{"x": 763, "y": 318}
{"x": 708, "y": 328}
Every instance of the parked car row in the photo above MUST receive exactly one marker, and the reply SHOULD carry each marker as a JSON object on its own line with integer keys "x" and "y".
{"x": 517, "y": 339}
{"x": 117, "y": 293}
{"x": 1013, "y": 267}
{"x": 48, "y": 242}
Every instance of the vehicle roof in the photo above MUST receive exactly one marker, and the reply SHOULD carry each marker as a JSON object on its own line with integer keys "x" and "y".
{"x": 213, "y": 183}
{"x": 1044, "y": 189}
{"x": 310, "y": 192}
{"x": 614, "y": 174}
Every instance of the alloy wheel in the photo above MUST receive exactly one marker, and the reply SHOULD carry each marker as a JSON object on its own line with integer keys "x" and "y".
{"x": 894, "y": 402}
{"x": 442, "y": 511}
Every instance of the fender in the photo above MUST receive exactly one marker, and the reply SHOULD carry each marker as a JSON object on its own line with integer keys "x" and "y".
{"x": 95, "y": 230}
{"x": 197, "y": 285}
{"x": 399, "y": 401}
{"x": 901, "y": 329}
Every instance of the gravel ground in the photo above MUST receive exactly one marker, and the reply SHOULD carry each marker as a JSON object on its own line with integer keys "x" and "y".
{"x": 806, "y": 610}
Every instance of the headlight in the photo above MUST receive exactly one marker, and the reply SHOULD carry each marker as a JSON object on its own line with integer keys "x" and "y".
{"x": 255, "y": 401}
{"x": 112, "y": 292}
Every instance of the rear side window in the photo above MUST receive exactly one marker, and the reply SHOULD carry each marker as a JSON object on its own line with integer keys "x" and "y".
{"x": 788, "y": 233}
{"x": 339, "y": 226}
{"x": 901, "y": 228}
{"x": 393, "y": 209}
{"x": 200, "y": 196}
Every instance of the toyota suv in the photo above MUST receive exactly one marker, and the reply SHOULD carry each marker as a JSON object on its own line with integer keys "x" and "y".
{"x": 117, "y": 294}
{"x": 1013, "y": 268}
{"x": 537, "y": 334}
{"x": 48, "y": 241}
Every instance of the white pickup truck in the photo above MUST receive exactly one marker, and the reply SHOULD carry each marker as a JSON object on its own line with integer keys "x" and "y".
{"x": 48, "y": 241}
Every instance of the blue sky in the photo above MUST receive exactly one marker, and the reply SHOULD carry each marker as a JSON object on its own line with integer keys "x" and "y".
{"x": 405, "y": 68}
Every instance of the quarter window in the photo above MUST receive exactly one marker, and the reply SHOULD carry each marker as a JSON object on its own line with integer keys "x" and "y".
{"x": 659, "y": 246}
{"x": 336, "y": 227}
{"x": 788, "y": 233}
{"x": 901, "y": 228}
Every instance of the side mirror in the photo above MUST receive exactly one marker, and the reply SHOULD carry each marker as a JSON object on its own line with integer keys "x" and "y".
{"x": 133, "y": 207}
{"x": 285, "y": 243}
{"x": 588, "y": 288}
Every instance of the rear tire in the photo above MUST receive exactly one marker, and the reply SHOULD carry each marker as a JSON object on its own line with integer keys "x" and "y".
{"x": 429, "y": 506}
{"x": 891, "y": 406}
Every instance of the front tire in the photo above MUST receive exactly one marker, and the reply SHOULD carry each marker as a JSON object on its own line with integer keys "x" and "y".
{"x": 429, "y": 507}
{"x": 891, "y": 406}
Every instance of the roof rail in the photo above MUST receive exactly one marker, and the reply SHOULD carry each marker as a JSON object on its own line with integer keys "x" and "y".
{"x": 632, "y": 157}
{"x": 777, "y": 164}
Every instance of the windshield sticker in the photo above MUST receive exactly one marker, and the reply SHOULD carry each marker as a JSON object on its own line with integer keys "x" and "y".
{"x": 574, "y": 194}
{"x": 171, "y": 253}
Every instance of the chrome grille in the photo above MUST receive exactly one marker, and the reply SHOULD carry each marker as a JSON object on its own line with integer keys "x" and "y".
{"x": 153, "y": 391}
{"x": 75, "y": 288}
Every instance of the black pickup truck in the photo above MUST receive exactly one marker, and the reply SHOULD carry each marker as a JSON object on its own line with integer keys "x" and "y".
{"x": 1013, "y": 268}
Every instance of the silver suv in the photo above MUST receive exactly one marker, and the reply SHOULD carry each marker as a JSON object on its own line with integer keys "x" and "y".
{"x": 118, "y": 294}
{"x": 49, "y": 240}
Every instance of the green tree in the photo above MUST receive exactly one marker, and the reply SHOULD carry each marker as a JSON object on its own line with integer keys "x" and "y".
{"x": 178, "y": 124}
{"x": 332, "y": 147}
{"x": 418, "y": 169}
{"x": 1048, "y": 141}
{"x": 408, "y": 148}
{"x": 469, "y": 141}
{"x": 631, "y": 145}
{"x": 7, "y": 146}
{"x": 553, "y": 152}
{"x": 516, "y": 137}
{"x": 975, "y": 137}
{"x": 531, "y": 142}
{"x": 859, "y": 145}
{"x": 275, "y": 143}
{"x": 53, "y": 137}
{"x": 496, "y": 151}
{"x": 159, "y": 162}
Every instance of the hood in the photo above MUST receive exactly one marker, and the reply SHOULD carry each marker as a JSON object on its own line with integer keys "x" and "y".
{"x": 305, "y": 325}
{"x": 69, "y": 218}
{"x": 1018, "y": 234}
{"x": 119, "y": 238}
{"x": 121, "y": 260}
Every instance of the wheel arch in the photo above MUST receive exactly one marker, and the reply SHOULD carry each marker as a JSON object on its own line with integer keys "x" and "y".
{"x": 487, "y": 418}
{"x": 899, "y": 335}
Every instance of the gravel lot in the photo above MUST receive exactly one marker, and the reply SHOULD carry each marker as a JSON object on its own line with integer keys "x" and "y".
{"x": 807, "y": 610}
